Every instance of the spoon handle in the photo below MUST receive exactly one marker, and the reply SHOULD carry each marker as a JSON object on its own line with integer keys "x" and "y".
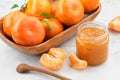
{"x": 23, "y": 68}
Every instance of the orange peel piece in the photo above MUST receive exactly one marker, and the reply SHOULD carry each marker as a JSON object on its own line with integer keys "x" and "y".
{"x": 76, "y": 63}
{"x": 115, "y": 24}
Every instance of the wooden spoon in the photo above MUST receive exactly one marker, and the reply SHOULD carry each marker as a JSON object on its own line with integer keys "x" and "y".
{"x": 23, "y": 68}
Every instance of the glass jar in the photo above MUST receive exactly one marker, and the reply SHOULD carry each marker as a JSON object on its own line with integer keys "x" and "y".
{"x": 92, "y": 41}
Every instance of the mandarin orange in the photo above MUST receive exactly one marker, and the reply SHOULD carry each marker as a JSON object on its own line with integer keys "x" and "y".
{"x": 9, "y": 21}
{"x": 28, "y": 31}
{"x": 35, "y": 7}
{"x": 56, "y": 28}
{"x": 69, "y": 12}
{"x": 90, "y": 5}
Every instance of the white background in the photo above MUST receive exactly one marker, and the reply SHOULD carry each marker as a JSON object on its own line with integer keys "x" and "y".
{"x": 110, "y": 70}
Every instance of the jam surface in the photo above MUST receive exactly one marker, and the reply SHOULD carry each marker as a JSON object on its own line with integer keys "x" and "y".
{"x": 92, "y": 32}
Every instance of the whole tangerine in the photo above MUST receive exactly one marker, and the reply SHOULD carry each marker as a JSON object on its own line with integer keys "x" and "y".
{"x": 56, "y": 28}
{"x": 9, "y": 21}
{"x": 69, "y": 12}
{"x": 28, "y": 31}
{"x": 90, "y": 5}
{"x": 35, "y": 7}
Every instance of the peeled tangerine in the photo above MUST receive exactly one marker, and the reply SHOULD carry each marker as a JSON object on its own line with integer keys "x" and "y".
{"x": 51, "y": 62}
{"x": 54, "y": 59}
{"x": 115, "y": 24}
{"x": 57, "y": 53}
{"x": 76, "y": 62}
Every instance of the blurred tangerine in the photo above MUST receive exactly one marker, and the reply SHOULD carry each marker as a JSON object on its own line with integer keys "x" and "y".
{"x": 10, "y": 20}
{"x": 76, "y": 63}
{"x": 90, "y": 5}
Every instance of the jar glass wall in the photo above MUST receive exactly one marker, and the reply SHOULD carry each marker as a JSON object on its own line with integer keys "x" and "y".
{"x": 92, "y": 41}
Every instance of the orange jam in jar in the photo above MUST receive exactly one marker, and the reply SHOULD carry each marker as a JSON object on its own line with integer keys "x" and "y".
{"x": 92, "y": 42}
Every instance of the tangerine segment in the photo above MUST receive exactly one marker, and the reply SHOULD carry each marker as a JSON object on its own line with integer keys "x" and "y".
{"x": 28, "y": 31}
{"x": 58, "y": 53}
{"x": 76, "y": 62}
{"x": 50, "y": 62}
{"x": 115, "y": 24}
{"x": 9, "y": 21}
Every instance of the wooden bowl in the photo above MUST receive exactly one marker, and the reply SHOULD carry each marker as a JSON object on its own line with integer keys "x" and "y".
{"x": 53, "y": 42}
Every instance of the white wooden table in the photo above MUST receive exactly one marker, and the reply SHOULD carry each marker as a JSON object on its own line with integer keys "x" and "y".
{"x": 110, "y": 70}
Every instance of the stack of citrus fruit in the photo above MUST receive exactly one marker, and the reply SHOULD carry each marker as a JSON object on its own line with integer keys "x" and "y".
{"x": 43, "y": 19}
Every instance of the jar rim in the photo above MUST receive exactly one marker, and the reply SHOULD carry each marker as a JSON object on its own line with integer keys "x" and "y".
{"x": 95, "y": 25}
